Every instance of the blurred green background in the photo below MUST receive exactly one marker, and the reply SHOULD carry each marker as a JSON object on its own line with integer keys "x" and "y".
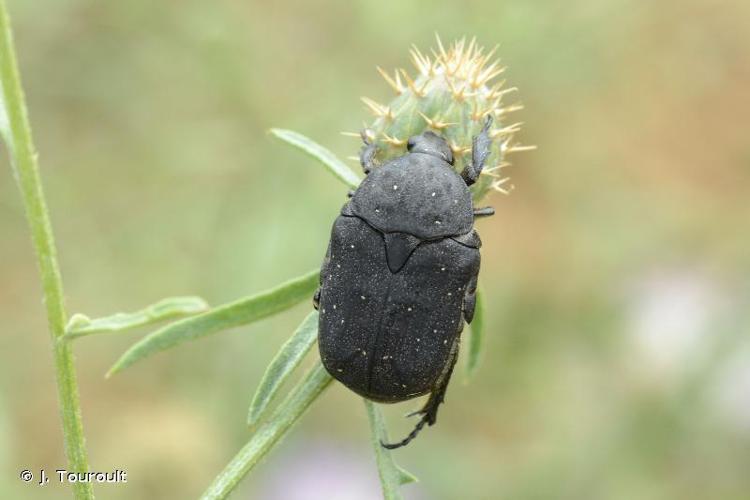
{"x": 616, "y": 274}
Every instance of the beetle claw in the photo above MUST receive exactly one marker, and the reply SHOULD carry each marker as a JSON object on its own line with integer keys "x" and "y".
{"x": 487, "y": 123}
{"x": 365, "y": 134}
{"x": 368, "y": 152}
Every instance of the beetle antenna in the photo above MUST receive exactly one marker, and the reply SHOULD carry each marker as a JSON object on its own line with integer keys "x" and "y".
{"x": 407, "y": 439}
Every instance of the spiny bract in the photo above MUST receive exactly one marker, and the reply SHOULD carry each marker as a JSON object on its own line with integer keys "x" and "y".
{"x": 451, "y": 95}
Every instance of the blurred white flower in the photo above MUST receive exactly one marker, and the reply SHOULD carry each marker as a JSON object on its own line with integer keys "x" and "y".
{"x": 670, "y": 319}
{"x": 678, "y": 321}
{"x": 325, "y": 471}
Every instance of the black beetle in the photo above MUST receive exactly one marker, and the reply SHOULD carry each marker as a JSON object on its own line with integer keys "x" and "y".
{"x": 400, "y": 274}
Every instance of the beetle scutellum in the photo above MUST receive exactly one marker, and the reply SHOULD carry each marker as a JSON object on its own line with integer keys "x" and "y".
{"x": 400, "y": 274}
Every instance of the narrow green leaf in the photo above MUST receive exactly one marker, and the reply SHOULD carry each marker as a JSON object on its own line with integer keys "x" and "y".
{"x": 4, "y": 124}
{"x": 240, "y": 312}
{"x": 323, "y": 155}
{"x": 289, "y": 357}
{"x": 391, "y": 475}
{"x": 172, "y": 307}
{"x": 269, "y": 433}
{"x": 476, "y": 344}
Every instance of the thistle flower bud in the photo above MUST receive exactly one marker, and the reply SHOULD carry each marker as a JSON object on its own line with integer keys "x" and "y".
{"x": 452, "y": 93}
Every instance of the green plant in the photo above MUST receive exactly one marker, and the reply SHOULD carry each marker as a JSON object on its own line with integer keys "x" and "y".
{"x": 16, "y": 134}
{"x": 451, "y": 95}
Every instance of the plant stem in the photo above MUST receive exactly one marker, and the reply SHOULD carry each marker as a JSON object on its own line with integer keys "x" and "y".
{"x": 24, "y": 161}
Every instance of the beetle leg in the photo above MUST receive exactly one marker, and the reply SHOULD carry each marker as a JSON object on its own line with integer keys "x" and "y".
{"x": 470, "y": 299}
{"x": 316, "y": 299}
{"x": 407, "y": 439}
{"x": 484, "y": 211}
{"x": 430, "y": 409}
{"x": 368, "y": 152}
{"x": 323, "y": 273}
{"x": 481, "y": 147}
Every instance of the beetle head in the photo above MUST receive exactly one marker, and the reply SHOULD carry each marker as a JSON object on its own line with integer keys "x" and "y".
{"x": 430, "y": 143}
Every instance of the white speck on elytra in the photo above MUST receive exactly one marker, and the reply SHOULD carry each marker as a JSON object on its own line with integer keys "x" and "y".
{"x": 433, "y": 194}
{"x": 445, "y": 341}
{"x": 340, "y": 370}
{"x": 351, "y": 246}
{"x": 419, "y": 340}
{"x": 338, "y": 266}
{"x": 408, "y": 309}
{"x": 362, "y": 297}
{"x": 342, "y": 321}
{"x": 442, "y": 269}
{"x": 434, "y": 331}
{"x": 334, "y": 306}
{"x": 437, "y": 222}
{"x": 395, "y": 187}
{"x": 323, "y": 311}
{"x": 449, "y": 294}
{"x": 404, "y": 386}
{"x": 455, "y": 202}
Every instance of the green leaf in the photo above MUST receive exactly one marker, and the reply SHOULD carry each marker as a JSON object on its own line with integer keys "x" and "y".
{"x": 404, "y": 476}
{"x": 391, "y": 475}
{"x": 270, "y": 432}
{"x": 4, "y": 124}
{"x": 240, "y": 312}
{"x": 289, "y": 357}
{"x": 476, "y": 344}
{"x": 172, "y": 307}
{"x": 323, "y": 155}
